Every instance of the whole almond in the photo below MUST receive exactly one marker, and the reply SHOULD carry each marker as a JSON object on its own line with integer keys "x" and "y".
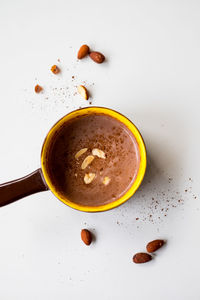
{"x": 83, "y": 51}
{"x": 154, "y": 245}
{"x": 141, "y": 258}
{"x": 97, "y": 57}
{"x": 86, "y": 236}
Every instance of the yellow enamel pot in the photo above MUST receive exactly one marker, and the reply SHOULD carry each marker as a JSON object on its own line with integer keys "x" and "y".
{"x": 40, "y": 179}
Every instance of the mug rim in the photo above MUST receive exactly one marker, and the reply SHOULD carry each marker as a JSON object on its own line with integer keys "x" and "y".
{"x": 142, "y": 150}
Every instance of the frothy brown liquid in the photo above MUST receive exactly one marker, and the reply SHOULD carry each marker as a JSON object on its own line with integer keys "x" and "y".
{"x": 120, "y": 165}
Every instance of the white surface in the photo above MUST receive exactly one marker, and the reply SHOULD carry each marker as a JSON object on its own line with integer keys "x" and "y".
{"x": 152, "y": 76}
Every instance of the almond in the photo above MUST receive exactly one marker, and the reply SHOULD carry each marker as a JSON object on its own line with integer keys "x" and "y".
{"x": 106, "y": 180}
{"x": 86, "y": 236}
{"x": 99, "y": 153}
{"x": 55, "y": 69}
{"x": 88, "y": 178}
{"x": 141, "y": 258}
{"x": 83, "y": 51}
{"x": 154, "y": 245}
{"x": 80, "y": 152}
{"x": 97, "y": 57}
{"x": 83, "y": 92}
{"x": 38, "y": 88}
{"x": 87, "y": 161}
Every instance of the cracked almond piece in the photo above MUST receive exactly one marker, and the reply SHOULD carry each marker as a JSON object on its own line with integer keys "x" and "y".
{"x": 87, "y": 161}
{"x": 99, "y": 153}
{"x": 38, "y": 88}
{"x": 106, "y": 180}
{"x": 55, "y": 69}
{"x": 88, "y": 178}
{"x": 83, "y": 92}
{"x": 80, "y": 152}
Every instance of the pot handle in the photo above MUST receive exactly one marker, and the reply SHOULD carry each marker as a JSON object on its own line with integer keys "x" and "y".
{"x": 22, "y": 187}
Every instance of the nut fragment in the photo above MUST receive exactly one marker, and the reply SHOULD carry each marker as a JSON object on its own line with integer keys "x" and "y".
{"x": 83, "y": 51}
{"x": 106, "y": 180}
{"x": 87, "y": 161}
{"x": 55, "y": 69}
{"x": 99, "y": 153}
{"x": 80, "y": 152}
{"x": 88, "y": 178}
{"x": 38, "y": 88}
{"x": 83, "y": 92}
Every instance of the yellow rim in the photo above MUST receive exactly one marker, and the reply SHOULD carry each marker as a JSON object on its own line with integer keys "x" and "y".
{"x": 129, "y": 125}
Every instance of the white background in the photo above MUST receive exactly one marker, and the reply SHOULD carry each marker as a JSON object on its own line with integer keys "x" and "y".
{"x": 152, "y": 75}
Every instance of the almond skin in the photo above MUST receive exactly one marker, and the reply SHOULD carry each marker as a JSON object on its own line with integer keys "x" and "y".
{"x": 141, "y": 258}
{"x": 154, "y": 245}
{"x": 86, "y": 236}
{"x": 97, "y": 57}
{"x": 83, "y": 51}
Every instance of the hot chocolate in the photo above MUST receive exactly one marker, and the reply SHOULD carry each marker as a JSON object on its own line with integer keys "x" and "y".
{"x": 93, "y": 160}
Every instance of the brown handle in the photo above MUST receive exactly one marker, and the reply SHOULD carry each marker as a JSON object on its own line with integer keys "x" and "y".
{"x": 22, "y": 187}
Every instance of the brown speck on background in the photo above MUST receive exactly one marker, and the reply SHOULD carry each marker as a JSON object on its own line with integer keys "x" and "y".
{"x": 58, "y": 59}
{"x": 186, "y": 191}
{"x": 137, "y": 219}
